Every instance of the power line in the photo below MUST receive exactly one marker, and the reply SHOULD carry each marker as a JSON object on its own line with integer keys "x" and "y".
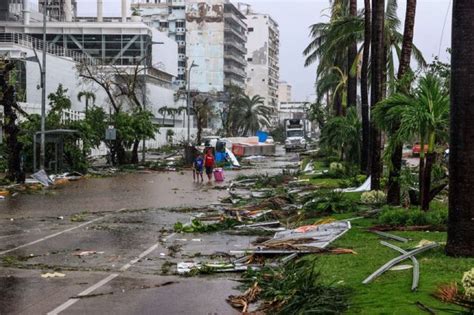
{"x": 444, "y": 27}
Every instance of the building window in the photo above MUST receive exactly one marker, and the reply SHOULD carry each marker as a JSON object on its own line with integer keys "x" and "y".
{"x": 250, "y": 29}
{"x": 181, "y": 63}
{"x": 250, "y": 59}
{"x": 180, "y": 24}
{"x": 181, "y": 77}
{"x": 181, "y": 50}
{"x": 180, "y": 37}
{"x": 164, "y": 24}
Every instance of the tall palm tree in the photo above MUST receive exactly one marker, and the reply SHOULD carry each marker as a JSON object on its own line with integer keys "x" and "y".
{"x": 421, "y": 115}
{"x": 88, "y": 96}
{"x": 254, "y": 114}
{"x": 377, "y": 63}
{"x": 393, "y": 192}
{"x": 351, "y": 58}
{"x": 330, "y": 41}
{"x": 364, "y": 89}
{"x": 461, "y": 157}
{"x": 203, "y": 111}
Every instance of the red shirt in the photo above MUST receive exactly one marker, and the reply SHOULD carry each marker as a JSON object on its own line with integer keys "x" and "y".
{"x": 209, "y": 160}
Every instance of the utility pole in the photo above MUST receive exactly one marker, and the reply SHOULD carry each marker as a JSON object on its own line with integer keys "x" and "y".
{"x": 188, "y": 99}
{"x": 43, "y": 92}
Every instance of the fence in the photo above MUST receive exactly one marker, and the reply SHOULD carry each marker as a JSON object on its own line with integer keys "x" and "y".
{"x": 28, "y": 41}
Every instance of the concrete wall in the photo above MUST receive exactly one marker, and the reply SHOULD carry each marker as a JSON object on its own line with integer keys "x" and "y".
{"x": 205, "y": 44}
{"x": 284, "y": 92}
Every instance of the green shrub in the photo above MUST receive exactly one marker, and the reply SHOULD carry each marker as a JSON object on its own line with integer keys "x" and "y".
{"x": 413, "y": 217}
{"x": 373, "y": 197}
{"x": 329, "y": 202}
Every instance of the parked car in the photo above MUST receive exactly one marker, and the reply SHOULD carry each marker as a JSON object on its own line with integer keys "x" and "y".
{"x": 416, "y": 149}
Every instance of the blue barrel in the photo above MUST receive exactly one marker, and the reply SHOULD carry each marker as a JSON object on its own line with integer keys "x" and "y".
{"x": 262, "y": 136}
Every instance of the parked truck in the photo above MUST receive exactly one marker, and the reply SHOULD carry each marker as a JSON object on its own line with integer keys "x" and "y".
{"x": 295, "y": 134}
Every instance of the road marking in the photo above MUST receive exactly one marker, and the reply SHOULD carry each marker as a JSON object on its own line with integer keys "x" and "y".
{"x": 106, "y": 280}
{"x": 52, "y": 235}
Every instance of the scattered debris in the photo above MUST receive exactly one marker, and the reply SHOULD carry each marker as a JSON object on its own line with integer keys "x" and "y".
{"x": 364, "y": 187}
{"x": 416, "y": 265}
{"x": 42, "y": 178}
{"x": 86, "y": 253}
{"x": 53, "y": 275}
{"x": 398, "y": 259}
{"x": 390, "y": 236}
{"x": 243, "y": 301}
{"x": 401, "y": 267}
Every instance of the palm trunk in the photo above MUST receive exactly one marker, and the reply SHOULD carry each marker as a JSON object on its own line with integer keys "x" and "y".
{"x": 377, "y": 55}
{"x": 421, "y": 170}
{"x": 461, "y": 155}
{"x": 351, "y": 57}
{"x": 393, "y": 193}
{"x": 364, "y": 91}
{"x": 134, "y": 159}
{"x": 426, "y": 195}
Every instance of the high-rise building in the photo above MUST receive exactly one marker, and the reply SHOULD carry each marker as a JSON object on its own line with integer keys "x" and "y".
{"x": 167, "y": 16}
{"x": 210, "y": 33}
{"x": 215, "y": 41}
{"x": 284, "y": 92}
{"x": 263, "y": 49}
{"x": 59, "y": 10}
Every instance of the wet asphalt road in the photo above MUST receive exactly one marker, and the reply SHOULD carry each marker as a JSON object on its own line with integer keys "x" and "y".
{"x": 127, "y": 222}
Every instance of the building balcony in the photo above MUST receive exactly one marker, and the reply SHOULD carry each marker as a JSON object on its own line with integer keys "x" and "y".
{"x": 235, "y": 32}
{"x": 234, "y": 57}
{"x": 232, "y": 18}
{"x": 235, "y": 70}
{"x": 233, "y": 45}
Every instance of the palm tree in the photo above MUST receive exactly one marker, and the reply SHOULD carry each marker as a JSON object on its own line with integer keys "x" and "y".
{"x": 317, "y": 112}
{"x": 377, "y": 56}
{"x": 343, "y": 133}
{"x": 163, "y": 111}
{"x": 88, "y": 96}
{"x": 422, "y": 115}
{"x": 254, "y": 114}
{"x": 351, "y": 58}
{"x": 461, "y": 159}
{"x": 330, "y": 41}
{"x": 364, "y": 89}
{"x": 393, "y": 192}
{"x": 203, "y": 110}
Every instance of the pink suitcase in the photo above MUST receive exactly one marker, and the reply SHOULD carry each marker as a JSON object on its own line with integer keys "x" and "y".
{"x": 219, "y": 175}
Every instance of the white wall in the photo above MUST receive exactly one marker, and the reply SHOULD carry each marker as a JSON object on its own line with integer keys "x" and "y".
{"x": 165, "y": 56}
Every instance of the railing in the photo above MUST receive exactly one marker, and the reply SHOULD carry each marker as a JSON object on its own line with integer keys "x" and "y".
{"x": 28, "y": 41}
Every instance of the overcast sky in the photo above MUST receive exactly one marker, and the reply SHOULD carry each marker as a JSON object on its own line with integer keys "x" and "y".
{"x": 295, "y": 17}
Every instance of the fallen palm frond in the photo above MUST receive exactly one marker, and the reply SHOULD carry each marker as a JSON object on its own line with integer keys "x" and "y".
{"x": 243, "y": 301}
{"x": 296, "y": 288}
{"x": 447, "y": 293}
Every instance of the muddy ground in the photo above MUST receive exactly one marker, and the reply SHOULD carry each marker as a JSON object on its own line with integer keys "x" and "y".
{"x": 110, "y": 240}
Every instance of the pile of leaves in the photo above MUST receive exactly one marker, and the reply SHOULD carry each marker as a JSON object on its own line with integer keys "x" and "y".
{"x": 293, "y": 289}
{"x": 197, "y": 226}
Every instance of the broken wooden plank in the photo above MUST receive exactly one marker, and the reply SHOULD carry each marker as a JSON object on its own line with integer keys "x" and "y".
{"x": 398, "y": 259}
{"x": 416, "y": 265}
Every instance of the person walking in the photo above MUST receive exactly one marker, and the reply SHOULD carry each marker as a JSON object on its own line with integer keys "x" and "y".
{"x": 209, "y": 164}
{"x": 198, "y": 166}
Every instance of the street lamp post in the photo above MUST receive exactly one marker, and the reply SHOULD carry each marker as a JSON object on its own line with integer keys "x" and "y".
{"x": 147, "y": 63}
{"x": 43, "y": 92}
{"x": 188, "y": 99}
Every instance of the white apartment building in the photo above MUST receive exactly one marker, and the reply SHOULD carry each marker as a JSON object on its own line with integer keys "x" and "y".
{"x": 263, "y": 49}
{"x": 284, "y": 92}
{"x": 124, "y": 45}
{"x": 167, "y": 16}
{"x": 215, "y": 42}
